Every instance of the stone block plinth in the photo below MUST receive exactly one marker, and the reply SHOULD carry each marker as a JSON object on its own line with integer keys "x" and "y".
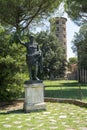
{"x": 34, "y": 97}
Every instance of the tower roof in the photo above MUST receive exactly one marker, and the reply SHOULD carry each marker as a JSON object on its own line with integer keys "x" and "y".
{"x": 57, "y": 18}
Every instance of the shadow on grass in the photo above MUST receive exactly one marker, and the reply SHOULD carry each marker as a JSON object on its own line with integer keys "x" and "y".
{"x": 18, "y": 111}
{"x": 73, "y": 84}
{"x": 67, "y": 93}
{"x": 67, "y": 89}
{"x": 63, "y": 84}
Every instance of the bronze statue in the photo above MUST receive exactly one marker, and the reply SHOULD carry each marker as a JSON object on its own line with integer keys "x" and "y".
{"x": 33, "y": 58}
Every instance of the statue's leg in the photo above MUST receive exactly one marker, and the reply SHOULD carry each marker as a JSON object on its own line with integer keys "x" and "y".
{"x": 30, "y": 73}
{"x": 33, "y": 72}
{"x": 29, "y": 68}
{"x": 36, "y": 71}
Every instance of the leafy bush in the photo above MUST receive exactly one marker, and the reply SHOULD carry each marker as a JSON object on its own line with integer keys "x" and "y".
{"x": 12, "y": 67}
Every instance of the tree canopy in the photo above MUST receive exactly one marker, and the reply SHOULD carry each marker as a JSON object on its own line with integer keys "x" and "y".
{"x": 77, "y": 10}
{"x": 20, "y": 13}
{"x": 80, "y": 45}
{"x": 54, "y": 59}
{"x": 72, "y": 60}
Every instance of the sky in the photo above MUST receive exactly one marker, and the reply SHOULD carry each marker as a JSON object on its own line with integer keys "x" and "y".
{"x": 71, "y": 28}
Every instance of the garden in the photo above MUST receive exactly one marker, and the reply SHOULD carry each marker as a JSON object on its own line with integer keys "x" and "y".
{"x": 66, "y": 100}
{"x": 57, "y": 116}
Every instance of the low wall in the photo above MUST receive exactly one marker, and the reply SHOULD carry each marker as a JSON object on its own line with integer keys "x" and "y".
{"x": 47, "y": 99}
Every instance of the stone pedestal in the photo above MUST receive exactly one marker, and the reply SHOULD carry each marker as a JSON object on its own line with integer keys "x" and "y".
{"x": 34, "y": 97}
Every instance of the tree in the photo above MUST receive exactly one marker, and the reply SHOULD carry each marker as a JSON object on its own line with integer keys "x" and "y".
{"x": 20, "y": 13}
{"x": 72, "y": 61}
{"x": 53, "y": 55}
{"x": 77, "y": 10}
{"x": 80, "y": 45}
{"x": 12, "y": 67}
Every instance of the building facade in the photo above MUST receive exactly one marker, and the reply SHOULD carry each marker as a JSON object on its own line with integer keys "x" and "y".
{"x": 58, "y": 27}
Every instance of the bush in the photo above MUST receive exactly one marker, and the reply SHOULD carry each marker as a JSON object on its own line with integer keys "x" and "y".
{"x": 12, "y": 67}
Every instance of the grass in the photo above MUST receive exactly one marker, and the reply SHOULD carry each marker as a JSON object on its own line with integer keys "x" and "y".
{"x": 65, "y": 89}
{"x": 56, "y": 117}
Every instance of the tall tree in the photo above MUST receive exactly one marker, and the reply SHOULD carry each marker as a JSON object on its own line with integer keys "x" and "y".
{"x": 77, "y": 10}
{"x": 80, "y": 45}
{"x": 53, "y": 55}
{"x": 20, "y": 13}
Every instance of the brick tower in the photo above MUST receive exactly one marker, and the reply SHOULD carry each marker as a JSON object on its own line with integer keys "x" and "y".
{"x": 58, "y": 27}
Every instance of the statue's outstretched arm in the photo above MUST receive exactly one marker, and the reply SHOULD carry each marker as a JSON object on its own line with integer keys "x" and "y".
{"x": 19, "y": 40}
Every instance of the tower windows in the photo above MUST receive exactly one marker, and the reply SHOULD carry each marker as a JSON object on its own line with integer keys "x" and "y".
{"x": 63, "y": 22}
{"x": 57, "y": 22}
{"x": 57, "y": 28}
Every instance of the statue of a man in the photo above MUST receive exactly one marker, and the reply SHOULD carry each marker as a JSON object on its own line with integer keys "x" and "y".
{"x": 33, "y": 58}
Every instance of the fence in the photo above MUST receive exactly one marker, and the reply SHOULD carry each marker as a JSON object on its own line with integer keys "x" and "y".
{"x": 82, "y": 75}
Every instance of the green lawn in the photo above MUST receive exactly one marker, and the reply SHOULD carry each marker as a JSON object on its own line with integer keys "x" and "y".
{"x": 56, "y": 117}
{"x": 65, "y": 89}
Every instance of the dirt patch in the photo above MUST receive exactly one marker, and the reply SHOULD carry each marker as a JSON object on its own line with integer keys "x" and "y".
{"x": 14, "y": 105}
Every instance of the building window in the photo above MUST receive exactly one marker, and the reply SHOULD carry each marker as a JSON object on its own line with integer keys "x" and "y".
{"x": 57, "y": 28}
{"x": 57, "y": 35}
{"x": 64, "y": 29}
{"x": 57, "y": 22}
{"x": 63, "y": 22}
{"x": 64, "y": 36}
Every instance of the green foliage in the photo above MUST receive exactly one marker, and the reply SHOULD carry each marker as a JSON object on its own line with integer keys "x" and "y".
{"x": 20, "y": 13}
{"x": 80, "y": 43}
{"x": 53, "y": 55}
{"x": 72, "y": 60}
{"x": 11, "y": 67}
{"x": 77, "y": 10}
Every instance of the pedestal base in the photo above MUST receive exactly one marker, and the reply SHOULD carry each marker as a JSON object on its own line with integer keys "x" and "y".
{"x": 34, "y": 107}
{"x": 34, "y": 97}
